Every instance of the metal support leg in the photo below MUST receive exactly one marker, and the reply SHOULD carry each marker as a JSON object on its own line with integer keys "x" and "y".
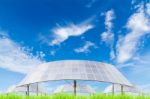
{"x": 37, "y": 89}
{"x": 122, "y": 92}
{"x": 75, "y": 86}
{"x": 28, "y": 90}
{"x": 113, "y": 90}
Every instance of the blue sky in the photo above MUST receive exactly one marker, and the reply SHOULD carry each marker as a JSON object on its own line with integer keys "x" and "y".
{"x": 112, "y": 31}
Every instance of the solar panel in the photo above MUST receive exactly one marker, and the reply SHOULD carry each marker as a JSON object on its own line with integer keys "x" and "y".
{"x": 76, "y": 70}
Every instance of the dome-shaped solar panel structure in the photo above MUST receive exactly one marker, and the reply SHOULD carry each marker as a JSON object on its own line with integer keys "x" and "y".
{"x": 75, "y": 70}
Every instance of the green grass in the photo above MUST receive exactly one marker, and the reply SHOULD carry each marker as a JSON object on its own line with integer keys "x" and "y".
{"x": 68, "y": 96}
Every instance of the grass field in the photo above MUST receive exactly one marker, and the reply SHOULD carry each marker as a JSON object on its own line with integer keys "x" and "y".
{"x": 65, "y": 96}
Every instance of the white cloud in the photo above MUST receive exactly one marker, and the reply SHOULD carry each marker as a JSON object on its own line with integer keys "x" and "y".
{"x": 86, "y": 47}
{"x": 3, "y": 34}
{"x": 108, "y": 35}
{"x": 41, "y": 54}
{"x": 148, "y": 8}
{"x": 138, "y": 26}
{"x": 44, "y": 38}
{"x": 62, "y": 33}
{"x": 138, "y": 68}
{"x": 16, "y": 58}
{"x": 133, "y": 2}
{"x": 138, "y": 65}
{"x": 108, "y": 19}
{"x": 89, "y": 5}
{"x": 52, "y": 52}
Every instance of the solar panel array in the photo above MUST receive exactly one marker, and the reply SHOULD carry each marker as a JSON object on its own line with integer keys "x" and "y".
{"x": 69, "y": 88}
{"x": 117, "y": 88}
{"x": 32, "y": 88}
{"x": 76, "y": 70}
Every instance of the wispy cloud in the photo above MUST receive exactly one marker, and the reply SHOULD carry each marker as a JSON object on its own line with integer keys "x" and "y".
{"x": 89, "y": 4}
{"x": 139, "y": 68}
{"x": 138, "y": 26}
{"x": 52, "y": 52}
{"x": 148, "y": 8}
{"x": 15, "y": 57}
{"x": 108, "y": 35}
{"x": 138, "y": 65}
{"x": 110, "y": 15}
{"x": 3, "y": 34}
{"x": 133, "y": 2}
{"x": 85, "y": 48}
{"x": 62, "y": 33}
